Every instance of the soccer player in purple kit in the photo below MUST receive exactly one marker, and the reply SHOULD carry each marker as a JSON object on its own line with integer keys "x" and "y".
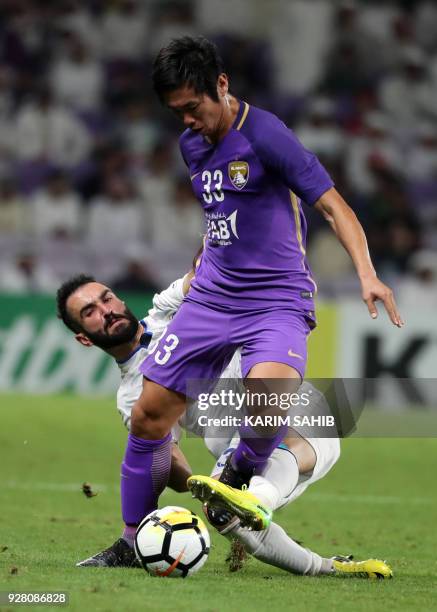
{"x": 253, "y": 288}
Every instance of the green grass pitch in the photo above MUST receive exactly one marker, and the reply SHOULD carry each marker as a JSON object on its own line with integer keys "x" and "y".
{"x": 380, "y": 500}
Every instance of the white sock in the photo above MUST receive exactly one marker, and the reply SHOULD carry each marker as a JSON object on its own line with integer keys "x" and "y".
{"x": 275, "y": 547}
{"x": 278, "y": 479}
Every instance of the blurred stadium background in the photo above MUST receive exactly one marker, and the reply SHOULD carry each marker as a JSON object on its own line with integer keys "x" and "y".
{"x": 91, "y": 178}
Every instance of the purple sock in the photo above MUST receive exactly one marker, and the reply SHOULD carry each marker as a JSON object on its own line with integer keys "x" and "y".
{"x": 128, "y": 535}
{"x": 144, "y": 475}
{"x": 253, "y": 451}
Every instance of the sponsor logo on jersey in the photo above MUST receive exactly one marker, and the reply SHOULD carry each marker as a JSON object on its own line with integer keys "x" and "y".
{"x": 238, "y": 172}
{"x": 221, "y": 229}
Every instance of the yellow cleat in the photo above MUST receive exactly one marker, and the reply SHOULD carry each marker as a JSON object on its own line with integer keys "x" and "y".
{"x": 242, "y": 503}
{"x": 371, "y": 568}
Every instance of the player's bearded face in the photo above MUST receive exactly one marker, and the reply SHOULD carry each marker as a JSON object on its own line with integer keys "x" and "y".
{"x": 102, "y": 317}
{"x": 118, "y": 328}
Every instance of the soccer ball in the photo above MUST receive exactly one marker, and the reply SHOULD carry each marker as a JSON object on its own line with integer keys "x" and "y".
{"x": 172, "y": 542}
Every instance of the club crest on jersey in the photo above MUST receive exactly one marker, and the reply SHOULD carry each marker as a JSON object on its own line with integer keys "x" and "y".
{"x": 238, "y": 172}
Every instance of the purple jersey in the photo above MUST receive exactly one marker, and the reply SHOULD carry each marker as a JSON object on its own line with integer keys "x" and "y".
{"x": 250, "y": 186}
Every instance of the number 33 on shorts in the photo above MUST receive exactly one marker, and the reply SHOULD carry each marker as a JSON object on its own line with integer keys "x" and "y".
{"x": 163, "y": 355}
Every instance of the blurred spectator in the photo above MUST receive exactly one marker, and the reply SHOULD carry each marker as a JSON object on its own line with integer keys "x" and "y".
{"x": 349, "y": 32}
{"x": 74, "y": 16}
{"x": 421, "y": 163}
{"x": 376, "y": 18}
{"x": 156, "y": 184}
{"x": 24, "y": 41}
{"x": 77, "y": 79}
{"x": 300, "y": 33}
{"x": 177, "y": 223}
{"x": 13, "y": 213}
{"x": 402, "y": 38}
{"x": 426, "y": 24}
{"x": 173, "y": 18}
{"x": 7, "y": 133}
{"x": 319, "y": 131}
{"x": 409, "y": 92}
{"x": 392, "y": 244}
{"x": 125, "y": 31}
{"x": 25, "y": 274}
{"x": 116, "y": 215}
{"x": 403, "y": 236}
{"x": 388, "y": 202}
{"x": 136, "y": 275}
{"x": 218, "y": 17}
{"x": 138, "y": 131}
{"x": 344, "y": 74}
{"x": 46, "y": 131}
{"x": 373, "y": 147}
{"x": 56, "y": 209}
{"x": 421, "y": 286}
{"x": 108, "y": 159}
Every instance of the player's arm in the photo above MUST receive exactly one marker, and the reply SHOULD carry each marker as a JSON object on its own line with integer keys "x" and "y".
{"x": 350, "y": 233}
{"x": 280, "y": 150}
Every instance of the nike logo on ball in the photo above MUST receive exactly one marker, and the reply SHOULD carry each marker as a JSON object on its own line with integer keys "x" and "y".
{"x": 171, "y": 567}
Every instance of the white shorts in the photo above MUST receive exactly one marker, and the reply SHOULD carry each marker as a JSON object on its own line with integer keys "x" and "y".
{"x": 327, "y": 452}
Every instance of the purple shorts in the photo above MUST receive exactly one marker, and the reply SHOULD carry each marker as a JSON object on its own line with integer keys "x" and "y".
{"x": 199, "y": 343}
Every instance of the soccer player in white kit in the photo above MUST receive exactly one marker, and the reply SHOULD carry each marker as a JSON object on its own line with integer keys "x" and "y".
{"x": 98, "y": 317}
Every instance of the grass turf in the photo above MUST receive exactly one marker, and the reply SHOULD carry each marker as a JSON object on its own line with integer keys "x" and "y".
{"x": 379, "y": 500}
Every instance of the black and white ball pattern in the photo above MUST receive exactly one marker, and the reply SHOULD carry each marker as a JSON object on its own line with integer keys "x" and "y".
{"x": 172, "y": 542}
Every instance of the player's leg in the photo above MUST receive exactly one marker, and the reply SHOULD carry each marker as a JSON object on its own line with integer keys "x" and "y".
{"x": 280, "y": 483}
{"x": 121, "y": 553}
{"x": 146, "y": 465}
{"x": 257, "y": 443}
{"x": 273, "y": 362}
{"x": 194, "y": 346}
{"x": 145, "y": 469}
{"x": 275, "y": 547}
{"x": 272, "y": 486}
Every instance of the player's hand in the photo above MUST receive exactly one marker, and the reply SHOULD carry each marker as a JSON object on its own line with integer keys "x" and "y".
{"x": 373, "y": 290}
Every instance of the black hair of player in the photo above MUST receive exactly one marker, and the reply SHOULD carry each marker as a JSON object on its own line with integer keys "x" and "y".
{"x": 194, "y": 62}
{"x": 62, "y": 295}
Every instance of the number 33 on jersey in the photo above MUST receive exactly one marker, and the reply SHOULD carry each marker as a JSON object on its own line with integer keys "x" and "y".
{"x": 222, "y": 227}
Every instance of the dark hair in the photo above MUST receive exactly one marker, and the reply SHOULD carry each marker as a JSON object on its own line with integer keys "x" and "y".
{"x": 62, "y": 295}
{"x": 187, "y": 61}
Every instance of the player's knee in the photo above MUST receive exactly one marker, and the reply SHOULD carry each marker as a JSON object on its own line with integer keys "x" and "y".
{"x": 155, "y": 412}
{"x": 146, "y": 425}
